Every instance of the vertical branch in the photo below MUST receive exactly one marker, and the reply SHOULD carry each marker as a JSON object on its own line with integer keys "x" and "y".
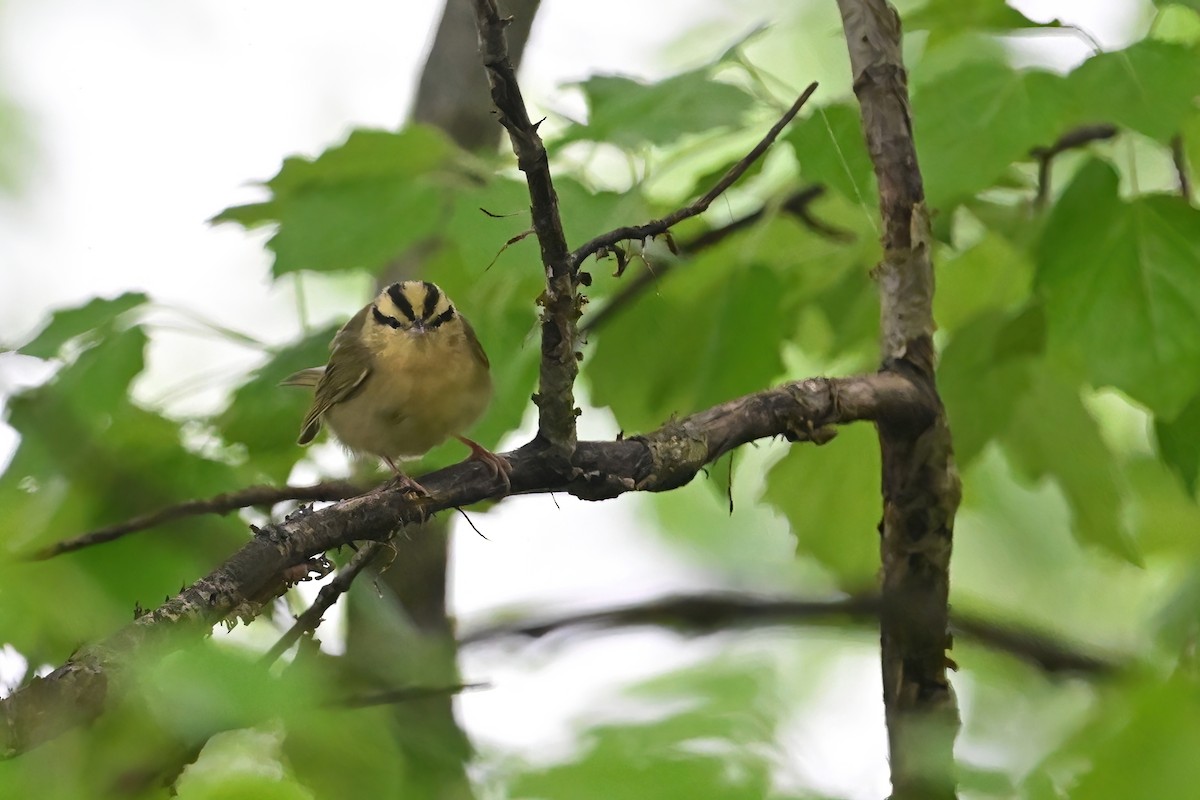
{"x": 560, "y": 302}
{"x": 919, "y": 482}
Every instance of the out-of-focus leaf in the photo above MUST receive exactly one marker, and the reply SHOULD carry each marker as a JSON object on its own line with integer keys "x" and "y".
{"x": 89, "y": 457}
{"x": 631, "y": 114}
{"x": 991, "y": 274}
{"x": 1052, "y": 435}
{"x": 1179, "y": 443}
{"x": 982, "y": 378}
{"x": 358, "y": 205}
{"x": 1125, "y": 746}
{"x": 1121, "y": 288}
{"x": 972, "y": 123}
{"x": 97, "y": 316}
{"x": 831, "y": 150}
{"x": 716, "y": 748}
{"x": 830, "y": 495}
{"x": 1149, "y": 86}
{"x": 264, "y": 417}
{"x": 646, "y": 370}
{"x": 943, "y": 17}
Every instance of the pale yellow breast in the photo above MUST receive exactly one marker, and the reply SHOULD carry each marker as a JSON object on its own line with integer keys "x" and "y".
{"x": 423, "y": 388}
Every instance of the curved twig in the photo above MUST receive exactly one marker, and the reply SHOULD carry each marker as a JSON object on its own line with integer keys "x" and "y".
{"x": 660, "y": 226}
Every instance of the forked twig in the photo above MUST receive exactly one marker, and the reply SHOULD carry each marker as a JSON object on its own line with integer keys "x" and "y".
{"x": 658, "y": 227}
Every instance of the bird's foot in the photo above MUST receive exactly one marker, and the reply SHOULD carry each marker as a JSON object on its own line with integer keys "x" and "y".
{"x": 403, "y": 482}
{"x": 498, "y": 466}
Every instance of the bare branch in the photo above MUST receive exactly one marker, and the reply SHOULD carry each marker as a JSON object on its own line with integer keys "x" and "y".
{"x": 797, "y": 203}
{"x": 699, "y": 206}
{"x": 1179, "y": 159}
{"x": 220, "y": 504}
{"x": 658, "y": 461}
{"x": 1072, "y": 139}
{"x": 308, "y": 621}
{"x": 711, "y": 613}
{"x": 921, "y": 488}
{"x": 560, "y": 303}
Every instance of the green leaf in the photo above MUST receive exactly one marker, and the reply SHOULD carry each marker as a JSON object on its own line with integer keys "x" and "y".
{"x": 830, "y": 147}
{"x": 1049, "y": 415}
{"x": 631, "y": 114}
{"x": 89, "y": 457}
{"x": 358, "y": 205}
{"x": 1179, "y": 443}
{"x": 733, "y": 347}
{"x": 830, "y": 495}
{"x": 971, "y": 124}
{"x": 97, "y": 316}
{"x": 1149, "y": 86}
{"x": 264, "y": 417}
{"x": 981, "y": 379}
{"x": 1121, "y": 288}
{"x": 1192, "y": 4}
{"x": 944, "y": 17}
{"x": 1126, "y": 752}
{"x": 991, "y": 274}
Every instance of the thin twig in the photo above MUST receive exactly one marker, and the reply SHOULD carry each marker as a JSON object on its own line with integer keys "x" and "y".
{"x": 712, "y": 613}
{"x": 796, "y": 204}
{"x": 408, "y": 694}
{"x": 560, "y": 304}
{"x": 1071, "y": 140}
{"x": 220, "y": 504}
{"x": 308, "y": 621}
{"x": 660, "y": 226}
{"x": 1179, "y": 159}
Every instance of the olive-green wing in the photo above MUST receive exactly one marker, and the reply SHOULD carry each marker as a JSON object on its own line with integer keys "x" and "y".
{"x": 349, "y": 367}
{"x": 473, "y": 340}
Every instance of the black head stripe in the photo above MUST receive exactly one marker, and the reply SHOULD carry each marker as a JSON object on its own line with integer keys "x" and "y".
{"x": 384, "y": 319}
{"x": 401, "y": 301}
{"x": 432, "y": 295}
{"x": 441, "y": 319}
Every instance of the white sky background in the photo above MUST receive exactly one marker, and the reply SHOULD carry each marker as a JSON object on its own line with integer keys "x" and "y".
{"x": 147, "y": 118}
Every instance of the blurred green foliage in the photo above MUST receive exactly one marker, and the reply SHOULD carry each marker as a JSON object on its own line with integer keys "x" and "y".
{"x": 1070, "y": 371}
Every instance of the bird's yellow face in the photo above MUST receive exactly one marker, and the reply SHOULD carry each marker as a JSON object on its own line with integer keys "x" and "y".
{"x": 417, "y": 307}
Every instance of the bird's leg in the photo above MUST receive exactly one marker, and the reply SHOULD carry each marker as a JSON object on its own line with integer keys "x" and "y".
{"x": 497, "y": 465}
{"x": 403, "y": 482}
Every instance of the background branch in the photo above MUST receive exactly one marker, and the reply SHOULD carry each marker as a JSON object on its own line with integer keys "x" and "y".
{"x": 1072, "y": 139}
{"x": 658, "y": 461}
{"x": 709, "y": 613}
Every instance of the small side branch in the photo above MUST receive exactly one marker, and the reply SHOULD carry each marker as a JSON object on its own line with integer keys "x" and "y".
{"x": 560, "y": 303}
{"x": 308, "y": 621}
{"x": 660, "y": 226}
{"x": 797, "y": 203}
{"x": 220, "y": 504}
{"x": 1071, "y": 140}
{"x": 1179, "y": 159}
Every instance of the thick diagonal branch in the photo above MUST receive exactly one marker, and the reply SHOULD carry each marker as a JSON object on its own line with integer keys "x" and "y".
{"x": 658, "y": 461}
{"x": 560, "y": 302}
{"x": 920, "y": 483}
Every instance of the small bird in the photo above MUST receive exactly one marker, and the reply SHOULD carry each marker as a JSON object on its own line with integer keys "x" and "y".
{"x": 404, "y": 374}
